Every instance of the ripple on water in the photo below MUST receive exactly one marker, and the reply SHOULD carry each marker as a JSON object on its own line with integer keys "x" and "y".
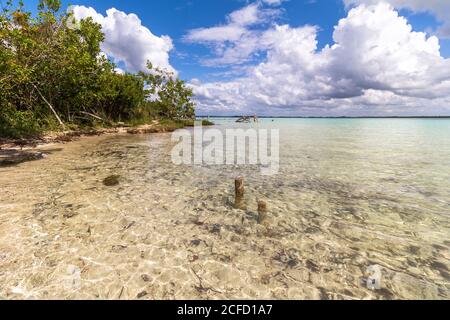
{"x": 162, "y": 231}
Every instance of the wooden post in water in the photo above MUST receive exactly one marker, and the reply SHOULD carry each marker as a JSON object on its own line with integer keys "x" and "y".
{"x": 239, "y": 193}
{"x": 262, "y": 211}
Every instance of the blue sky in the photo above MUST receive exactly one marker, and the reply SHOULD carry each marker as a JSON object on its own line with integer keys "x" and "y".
{"x": 175, "y": 17}
{"x": 201, "y": 61}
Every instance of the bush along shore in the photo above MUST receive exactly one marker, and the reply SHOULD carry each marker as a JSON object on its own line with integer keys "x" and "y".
{"x": 56, "y": 84}
{"x": 54, "y": 77}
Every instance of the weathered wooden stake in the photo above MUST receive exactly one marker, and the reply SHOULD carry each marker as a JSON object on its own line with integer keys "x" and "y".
{"x": 240, "y": 191}
{"x": 262, "y": 211}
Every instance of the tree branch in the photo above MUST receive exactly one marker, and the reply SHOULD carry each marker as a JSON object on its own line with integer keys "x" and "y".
{"x": 92, "y": 115}
{"x": 50, "y": 106}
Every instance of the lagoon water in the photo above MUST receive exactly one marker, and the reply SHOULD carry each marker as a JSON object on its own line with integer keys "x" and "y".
{"x": 350, "y": 194}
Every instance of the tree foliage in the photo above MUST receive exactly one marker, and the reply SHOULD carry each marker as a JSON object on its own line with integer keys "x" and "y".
{"x": 167, "y": 95}
{"x": 52, "y": 69}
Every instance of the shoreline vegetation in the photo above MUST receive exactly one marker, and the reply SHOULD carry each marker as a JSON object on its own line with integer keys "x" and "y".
{"x": 55, "y": 78}
{"x": 56, "y": 85}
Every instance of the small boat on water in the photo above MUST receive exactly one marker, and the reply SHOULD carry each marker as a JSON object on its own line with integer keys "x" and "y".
{"x": 247, "y": 119}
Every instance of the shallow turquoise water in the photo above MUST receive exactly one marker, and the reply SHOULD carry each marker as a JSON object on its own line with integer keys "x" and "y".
{"x": 380, "y": 186}
{"x": 413, "y": 152}
{"x": 350, "y": 194}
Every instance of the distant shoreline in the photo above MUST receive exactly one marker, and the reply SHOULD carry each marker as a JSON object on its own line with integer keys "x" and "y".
{"x": 362, "y": 117}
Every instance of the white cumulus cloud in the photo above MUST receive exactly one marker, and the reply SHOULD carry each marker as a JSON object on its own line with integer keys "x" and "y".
{"x": 127, "y": 40}
{"x": 376, "y": 65}
{"x": 239, "y": 39}
{"x": 439, "y": 8}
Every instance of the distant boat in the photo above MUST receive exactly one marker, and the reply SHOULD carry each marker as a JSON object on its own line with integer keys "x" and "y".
{"x": 247, "y": 119}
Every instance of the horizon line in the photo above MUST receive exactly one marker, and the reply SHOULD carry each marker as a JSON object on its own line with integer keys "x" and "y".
{"x": 330, "y": 117}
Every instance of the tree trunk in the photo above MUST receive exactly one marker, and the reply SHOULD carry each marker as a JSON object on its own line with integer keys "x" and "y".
{"x": 51, "y": 107}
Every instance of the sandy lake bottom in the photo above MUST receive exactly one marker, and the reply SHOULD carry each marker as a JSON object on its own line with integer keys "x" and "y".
{"x": 348, "y": 196}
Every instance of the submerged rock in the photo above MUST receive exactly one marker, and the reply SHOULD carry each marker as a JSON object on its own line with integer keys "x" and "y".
{"x": 70, "y": 214}
{"x": 216, "y": 228}
{"x": 145, "y": 278}
{"x": 111, "y": 181}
